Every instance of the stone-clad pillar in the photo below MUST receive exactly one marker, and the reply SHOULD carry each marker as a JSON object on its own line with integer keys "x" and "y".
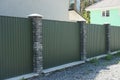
{"x": 82, "y": 40}
{"x": 37, "y": 43}
{"x": 107, "y": 37}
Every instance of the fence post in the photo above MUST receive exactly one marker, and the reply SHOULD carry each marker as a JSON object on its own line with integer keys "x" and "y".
{"x": 37, "y": 42}
{"x": 107, "y": 37}
{"x": 82, "y": 40}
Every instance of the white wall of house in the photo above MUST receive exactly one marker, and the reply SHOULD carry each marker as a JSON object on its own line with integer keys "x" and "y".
{"x": 50, "y": 9}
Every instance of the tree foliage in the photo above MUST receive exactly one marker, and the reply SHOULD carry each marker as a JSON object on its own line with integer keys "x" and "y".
{"x": 83, "y": 5}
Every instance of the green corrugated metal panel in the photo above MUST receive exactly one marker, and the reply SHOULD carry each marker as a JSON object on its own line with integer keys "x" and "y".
{"x": 61, "y": 43}
{"x": 15, "y": 46}
{"x": 114, "y": 38}
{"x": 95, "y": 41}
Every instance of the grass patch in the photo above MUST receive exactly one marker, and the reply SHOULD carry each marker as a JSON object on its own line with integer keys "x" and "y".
{"x": 108, "y": 57}
{"x": 94, "y": 60}
{"x": 23, "y": 79}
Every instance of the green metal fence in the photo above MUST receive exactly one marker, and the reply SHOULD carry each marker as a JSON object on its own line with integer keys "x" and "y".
{"x": 95, "y": 40}
{"x": 15, "y": 47}
{"x": 114, "y": 38}
{"x": 61, "y": 43}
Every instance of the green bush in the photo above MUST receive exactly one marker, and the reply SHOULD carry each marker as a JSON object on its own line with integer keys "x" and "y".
{"x": 108, "y": 57}
{"x": 23, "y": 79}
{"x": 94, "y": 60}
{"x": 118, "y": 54}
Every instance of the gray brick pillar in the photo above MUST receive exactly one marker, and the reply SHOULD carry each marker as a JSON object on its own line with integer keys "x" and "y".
{"x": 82, "y": 40}
{"x": 37, "y": 43}
{"x": 107, "y": 37}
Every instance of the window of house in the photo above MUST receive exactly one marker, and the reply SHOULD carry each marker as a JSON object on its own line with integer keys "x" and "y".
{"x": 71, "y": 5}
{"x": 103, "y": 13}
{"x": 106, "y": 13}
{"x": 74, "y": 5}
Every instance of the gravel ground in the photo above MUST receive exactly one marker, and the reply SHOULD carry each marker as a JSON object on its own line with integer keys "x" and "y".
{"x": 101, "y": 70}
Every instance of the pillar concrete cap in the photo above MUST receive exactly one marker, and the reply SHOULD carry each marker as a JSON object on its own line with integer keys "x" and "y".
{"x": 35, "y": 15}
